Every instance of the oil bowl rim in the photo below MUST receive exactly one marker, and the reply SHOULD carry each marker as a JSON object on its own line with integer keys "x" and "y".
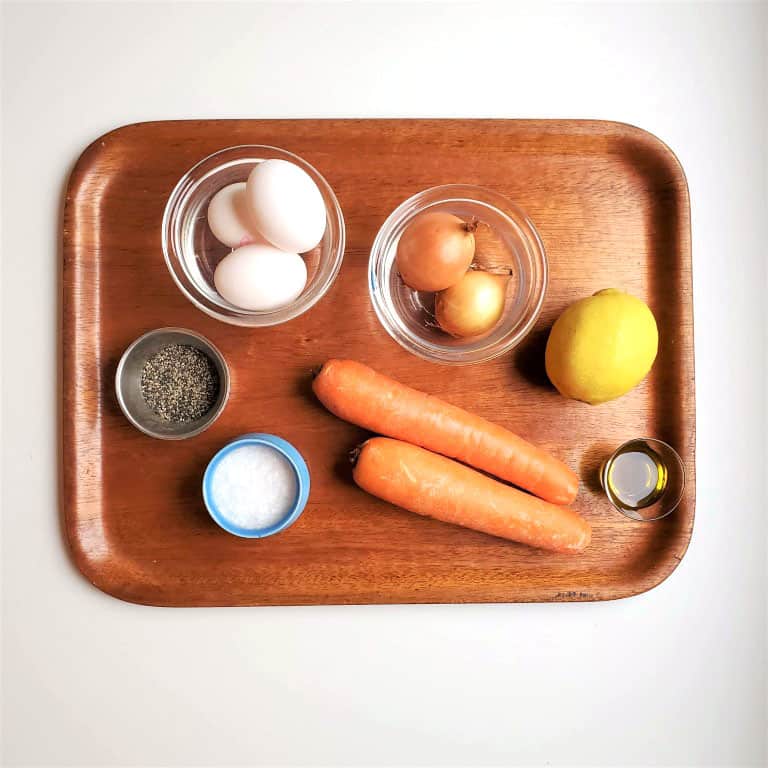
{"x": 665, "y": 509}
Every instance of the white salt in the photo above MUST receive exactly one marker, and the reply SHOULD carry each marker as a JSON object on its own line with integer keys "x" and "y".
{"x": 254, "y": 486}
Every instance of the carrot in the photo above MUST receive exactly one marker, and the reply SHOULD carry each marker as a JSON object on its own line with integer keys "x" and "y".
{"x": 431, "y": 485}
{"x": 356, "y": 393}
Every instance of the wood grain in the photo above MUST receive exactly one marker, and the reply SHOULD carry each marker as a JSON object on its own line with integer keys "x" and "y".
{"x": 611, "y": 204}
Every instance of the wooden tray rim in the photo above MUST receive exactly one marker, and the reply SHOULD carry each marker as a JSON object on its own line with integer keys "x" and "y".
{"x": 70, "y": 491}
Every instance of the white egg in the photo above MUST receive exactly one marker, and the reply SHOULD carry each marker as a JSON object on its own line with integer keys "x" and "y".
{"x": 229, "y": 217}
{"x": 260, "y": 277}
{"x": 286, "y": 205}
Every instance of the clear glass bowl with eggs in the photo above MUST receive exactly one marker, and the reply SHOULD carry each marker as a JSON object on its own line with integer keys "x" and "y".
{"x": 507, "y": 248}
{"x": 258, "y": 260}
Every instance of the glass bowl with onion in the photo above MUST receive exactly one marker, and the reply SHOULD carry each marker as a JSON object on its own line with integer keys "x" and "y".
{"x": 193, "y": 252}
{"x": 481, "y": 243}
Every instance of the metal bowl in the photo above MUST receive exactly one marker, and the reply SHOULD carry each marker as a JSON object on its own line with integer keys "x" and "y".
{"x": 128, "y": 383}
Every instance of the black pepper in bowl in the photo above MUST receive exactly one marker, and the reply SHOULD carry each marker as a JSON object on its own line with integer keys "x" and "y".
{"x": 179, "y": 383}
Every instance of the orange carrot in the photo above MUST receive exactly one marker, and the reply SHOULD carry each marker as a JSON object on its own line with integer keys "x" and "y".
{"x": 431, "y": 485}
{"x": 356, "y": 393}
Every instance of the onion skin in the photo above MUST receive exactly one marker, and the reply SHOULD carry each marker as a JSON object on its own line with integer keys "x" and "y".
{"x": 473, "y": 306}
{"x": 435, "y": 251}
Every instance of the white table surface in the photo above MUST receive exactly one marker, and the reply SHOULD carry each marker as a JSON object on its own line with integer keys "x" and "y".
{"x": 675, "y": 676}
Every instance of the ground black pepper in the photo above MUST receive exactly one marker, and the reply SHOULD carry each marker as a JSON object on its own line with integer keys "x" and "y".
{"x": 179, "y": 383}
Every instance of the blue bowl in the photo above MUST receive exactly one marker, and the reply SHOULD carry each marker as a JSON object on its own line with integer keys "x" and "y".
{"x": 299, "y": 467}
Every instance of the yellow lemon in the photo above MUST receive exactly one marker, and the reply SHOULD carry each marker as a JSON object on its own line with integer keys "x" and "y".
{"x": 602, "y": 346}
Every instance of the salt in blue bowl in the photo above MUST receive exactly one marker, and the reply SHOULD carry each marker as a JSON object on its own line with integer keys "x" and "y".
{"x": 302, "y": 477}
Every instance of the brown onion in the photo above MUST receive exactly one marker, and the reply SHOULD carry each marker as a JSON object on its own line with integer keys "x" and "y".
{"x": 435, "y": 251}
{"x": 472, "y": 306}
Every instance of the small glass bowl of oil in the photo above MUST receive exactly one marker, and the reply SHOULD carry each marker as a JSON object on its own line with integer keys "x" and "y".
{"x": 644, "y": 479}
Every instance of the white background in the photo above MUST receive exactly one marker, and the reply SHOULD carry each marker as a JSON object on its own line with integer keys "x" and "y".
{"x": 676, "y": 676}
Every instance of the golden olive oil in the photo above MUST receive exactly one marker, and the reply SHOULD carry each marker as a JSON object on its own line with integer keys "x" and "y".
{"x": 635, "y": 477}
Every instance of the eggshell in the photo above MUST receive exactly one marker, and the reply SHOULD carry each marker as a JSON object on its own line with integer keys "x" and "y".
{"x": 260, "y": 277}
{"x": 229, "y": 217}
{"x": 286, "y": 205}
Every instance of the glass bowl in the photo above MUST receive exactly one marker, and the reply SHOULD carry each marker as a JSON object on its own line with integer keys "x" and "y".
{"x": 649, "y": 484}
{"x": 192, "y": 252}
{"x": 506, "y": 243}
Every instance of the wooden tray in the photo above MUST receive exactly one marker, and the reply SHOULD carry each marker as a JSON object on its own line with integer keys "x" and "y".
{"x": 611, "y": 204}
